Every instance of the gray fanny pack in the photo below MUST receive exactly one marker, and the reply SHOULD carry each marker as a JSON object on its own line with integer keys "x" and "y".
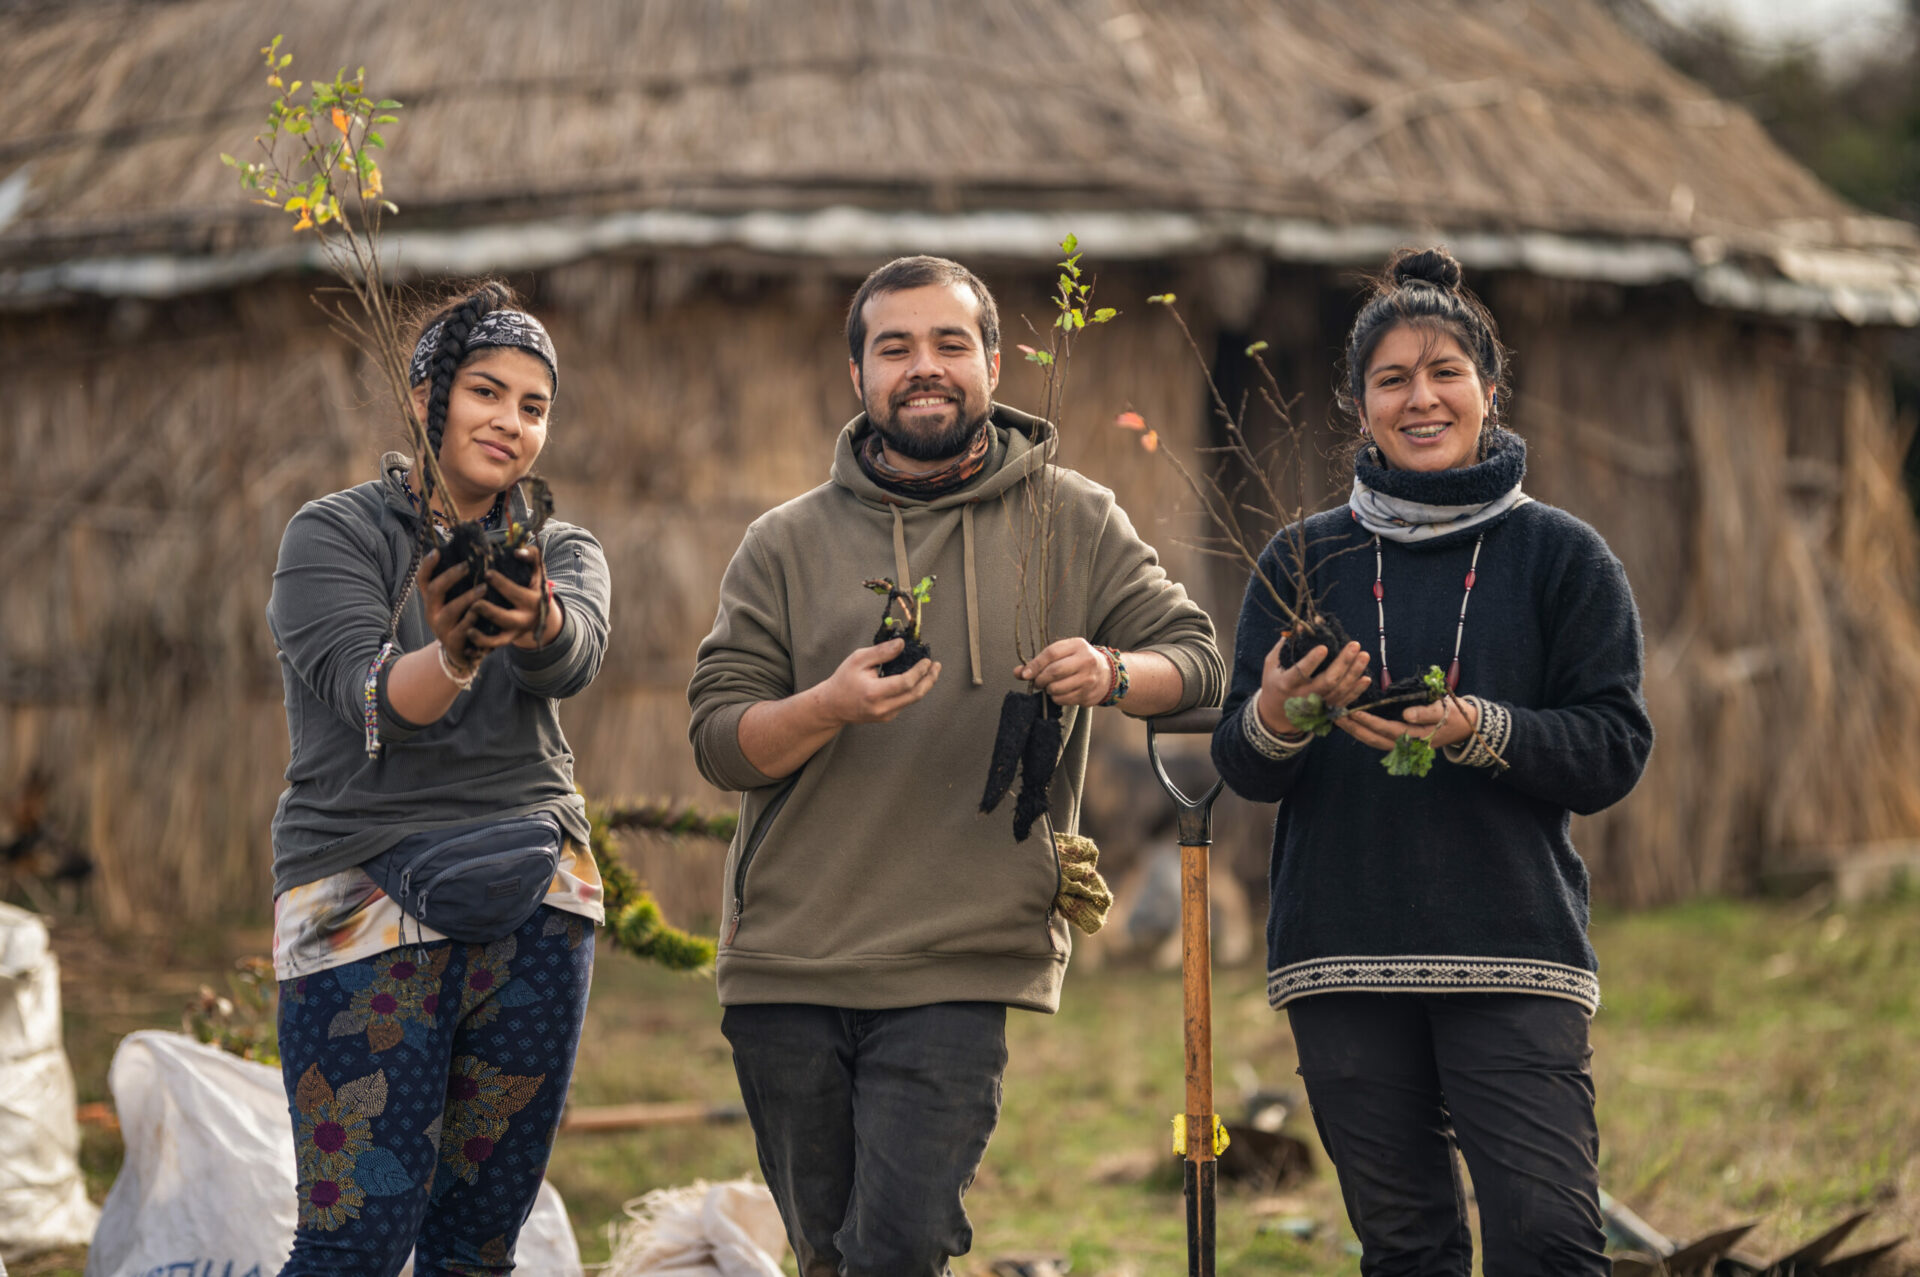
{"x": 472, "y": 883}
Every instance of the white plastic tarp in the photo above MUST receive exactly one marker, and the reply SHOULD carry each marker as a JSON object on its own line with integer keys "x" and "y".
{"x": 208, "y": 1181}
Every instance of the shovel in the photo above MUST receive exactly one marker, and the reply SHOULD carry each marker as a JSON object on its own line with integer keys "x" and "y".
{"x": 1199, "y": 1138}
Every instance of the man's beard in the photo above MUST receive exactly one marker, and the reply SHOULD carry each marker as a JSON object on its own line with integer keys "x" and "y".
{"x": 949, "y": 441}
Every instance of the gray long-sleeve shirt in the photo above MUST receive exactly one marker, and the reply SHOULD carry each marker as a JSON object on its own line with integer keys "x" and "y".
{"x": 497, "y": 752}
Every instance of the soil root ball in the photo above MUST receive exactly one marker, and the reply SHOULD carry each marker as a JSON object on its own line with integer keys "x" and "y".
{"x": 1318, "y": 631}
{"x": 911, "y": 655}
{"x": 1036, "y": 772}
{"x": 482, "y": 551}
{"x": 1017, "y": 714}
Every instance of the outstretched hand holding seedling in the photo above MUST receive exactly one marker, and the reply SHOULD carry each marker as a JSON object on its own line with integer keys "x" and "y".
{"x": 861, "y": 691}
{"x": 1407, "y": 754}
{"x": 1298, "y": 697}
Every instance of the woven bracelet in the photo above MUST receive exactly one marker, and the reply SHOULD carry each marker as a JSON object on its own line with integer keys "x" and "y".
{"x": 1117, "y": 681}
{"x": 1487, "y": 745}
{"x": 1266, "y": 743}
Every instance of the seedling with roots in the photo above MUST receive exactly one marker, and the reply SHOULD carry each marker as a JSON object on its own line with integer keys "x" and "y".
{"x": 1030, "y": 732}
{"x": 912, "y": 606}
{"x": 320, "y": 167}
{"x": 1306, "y": 624}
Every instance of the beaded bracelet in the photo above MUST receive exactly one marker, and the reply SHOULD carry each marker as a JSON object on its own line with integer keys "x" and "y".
{"x": 462, "y": 681}
{"x": 1117, "y": 682}
{"x": 370, "y": 699}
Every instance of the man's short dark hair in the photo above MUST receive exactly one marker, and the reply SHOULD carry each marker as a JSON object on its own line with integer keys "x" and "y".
{"x": 903, "y": 273}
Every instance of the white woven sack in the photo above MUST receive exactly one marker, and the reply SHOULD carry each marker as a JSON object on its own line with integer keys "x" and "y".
{"x": 700, "y": 1230}
{"x": 43, "y": 1199}
{"x": 208, "y": 1181}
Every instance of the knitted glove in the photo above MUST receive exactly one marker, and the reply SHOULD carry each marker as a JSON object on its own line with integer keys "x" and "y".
{"x": 1084, "y": 896}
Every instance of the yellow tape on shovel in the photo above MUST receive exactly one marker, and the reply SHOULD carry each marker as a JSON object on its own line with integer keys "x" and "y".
{"x": 1220, "y": 1140}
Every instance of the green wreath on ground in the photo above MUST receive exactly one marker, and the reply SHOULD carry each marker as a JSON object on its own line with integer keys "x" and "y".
{"x": 634, "y": 920}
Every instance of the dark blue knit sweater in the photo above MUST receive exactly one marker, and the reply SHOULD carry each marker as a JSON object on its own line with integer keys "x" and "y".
{"x": 1464, "y": 879}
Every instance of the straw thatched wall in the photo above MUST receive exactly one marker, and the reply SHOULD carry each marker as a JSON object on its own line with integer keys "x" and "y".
{"x": 159, "y": 451}
{"x": 1746, "y": 472}
{"x": 1749, "y": 477}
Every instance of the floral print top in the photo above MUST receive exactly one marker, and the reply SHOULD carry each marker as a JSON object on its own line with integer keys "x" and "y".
{"x": 346, "y": 917}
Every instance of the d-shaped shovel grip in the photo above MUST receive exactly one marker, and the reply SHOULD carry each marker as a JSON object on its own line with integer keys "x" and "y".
{"x": 1195, "y": 815}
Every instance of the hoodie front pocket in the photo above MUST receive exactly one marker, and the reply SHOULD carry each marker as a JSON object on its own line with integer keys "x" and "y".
{"x": 757, "y": 835}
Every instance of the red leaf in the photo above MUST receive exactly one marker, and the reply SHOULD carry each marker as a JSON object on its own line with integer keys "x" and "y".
{"x": 1130, "y": 421}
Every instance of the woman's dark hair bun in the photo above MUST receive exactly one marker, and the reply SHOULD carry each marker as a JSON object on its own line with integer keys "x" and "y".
{"x": 1421, "y": 286}
{"x": 1427, "y": 265}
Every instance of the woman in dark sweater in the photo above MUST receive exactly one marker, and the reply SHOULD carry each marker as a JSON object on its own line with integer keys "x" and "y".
{"x": 427, "y": 1049}
{"x": 1428, "y": 936}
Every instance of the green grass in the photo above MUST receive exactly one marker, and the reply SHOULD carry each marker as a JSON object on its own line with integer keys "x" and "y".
{"x": 1753, "y": 1060}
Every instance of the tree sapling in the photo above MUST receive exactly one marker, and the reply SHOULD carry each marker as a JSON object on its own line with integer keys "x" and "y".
{"x": 1031, "y": 731}
{"x": 318, "y": 166}
{"x": 1295, "y": 601}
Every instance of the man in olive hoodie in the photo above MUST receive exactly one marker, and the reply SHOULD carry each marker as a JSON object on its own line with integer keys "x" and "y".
{"x": 876, "y": 924}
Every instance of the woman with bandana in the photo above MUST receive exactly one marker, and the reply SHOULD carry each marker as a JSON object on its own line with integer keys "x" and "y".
{"x": 1427, "y": 936}
{"x": 427, "y": 1069}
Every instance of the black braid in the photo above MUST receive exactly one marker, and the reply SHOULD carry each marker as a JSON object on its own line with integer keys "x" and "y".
{"x": 453, "y": 352}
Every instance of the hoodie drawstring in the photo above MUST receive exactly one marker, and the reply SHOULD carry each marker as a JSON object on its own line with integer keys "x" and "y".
{"x": 900, "y": 549}
{"x": 972, "y": 583}
{"x": 973, "y": 593}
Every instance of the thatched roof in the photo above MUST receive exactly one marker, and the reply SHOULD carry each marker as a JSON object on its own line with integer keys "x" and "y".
{"x": 1536, "y": 135}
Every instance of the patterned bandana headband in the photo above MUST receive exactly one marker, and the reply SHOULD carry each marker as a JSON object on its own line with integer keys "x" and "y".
{"x": 515, "y": 328}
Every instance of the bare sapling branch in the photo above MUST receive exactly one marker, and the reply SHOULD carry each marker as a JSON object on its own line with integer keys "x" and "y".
{"x": 319, "y": 167}
{"x": 1305, "y": 623}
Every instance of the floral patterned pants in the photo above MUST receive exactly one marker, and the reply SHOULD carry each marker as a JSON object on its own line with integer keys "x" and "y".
{"x": 426, "y": 1085}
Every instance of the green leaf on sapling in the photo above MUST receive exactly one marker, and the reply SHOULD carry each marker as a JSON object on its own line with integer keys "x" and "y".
{"x": 1410, "y": 756}
{"x": 1309, "y": 714}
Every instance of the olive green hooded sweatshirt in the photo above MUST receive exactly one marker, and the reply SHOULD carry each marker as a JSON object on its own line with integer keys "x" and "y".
{"x": 870, "y": 879}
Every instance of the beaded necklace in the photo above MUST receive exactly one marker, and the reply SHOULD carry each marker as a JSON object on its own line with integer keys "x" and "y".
{"x": 1379, "y": 603}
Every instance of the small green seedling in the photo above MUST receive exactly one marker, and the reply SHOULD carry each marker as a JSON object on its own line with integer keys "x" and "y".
{"x": 912, "y": 606}
{"x": 1310, "y": 713}
{"x": 1413, "y": 755}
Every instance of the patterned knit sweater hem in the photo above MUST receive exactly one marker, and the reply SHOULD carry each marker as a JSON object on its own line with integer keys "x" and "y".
{"x": 1432, "y": 974}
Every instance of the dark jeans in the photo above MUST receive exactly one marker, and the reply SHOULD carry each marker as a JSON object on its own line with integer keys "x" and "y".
{"x": 870, "y": 1126}
{"x": 1396, "y": 1080}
